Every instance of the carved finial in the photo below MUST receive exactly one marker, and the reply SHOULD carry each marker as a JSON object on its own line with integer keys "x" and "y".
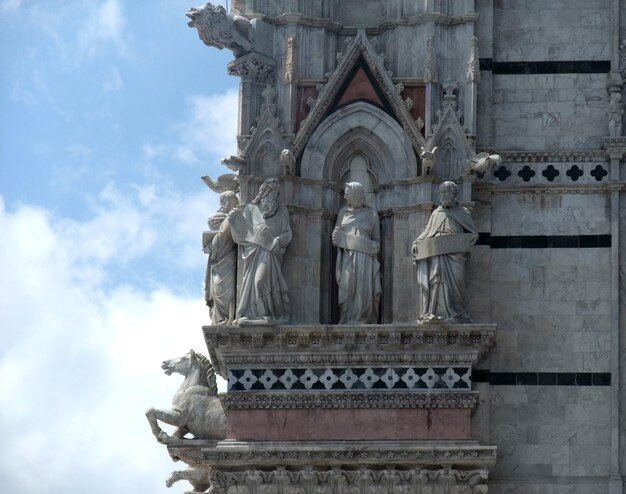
{"x": 408, "y": 103}
{"x": 622, "y": 60}
{"x": 430, "y": 67}
{"x": 288, "y": 160}
{"x": 399, "y": 88}
{"x": 473, "y": 65}
{"x": 449, "y": 98}
{"x": 268, "y": 94}
{"x": 290, "y": 63}
{"x": 616, "y": 113}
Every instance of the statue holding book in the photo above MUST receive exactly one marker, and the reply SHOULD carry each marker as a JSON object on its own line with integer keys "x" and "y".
{"x": 357, "y": 236}
{"x": 263, "y": 232}
{"x": 441, "y": 253}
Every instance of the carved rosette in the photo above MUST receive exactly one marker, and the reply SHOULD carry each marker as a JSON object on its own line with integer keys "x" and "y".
{"x": 254, "y": 67}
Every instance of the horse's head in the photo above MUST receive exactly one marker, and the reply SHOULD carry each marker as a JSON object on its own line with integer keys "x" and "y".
{"x": 181, "y": 365}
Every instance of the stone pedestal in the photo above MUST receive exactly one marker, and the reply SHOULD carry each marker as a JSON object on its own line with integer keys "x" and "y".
{"x": 324, "y": 408}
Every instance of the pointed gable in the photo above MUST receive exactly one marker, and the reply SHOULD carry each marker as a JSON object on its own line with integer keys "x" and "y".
{"x": 358, "y": 88}
{"x": 360, "y": 75}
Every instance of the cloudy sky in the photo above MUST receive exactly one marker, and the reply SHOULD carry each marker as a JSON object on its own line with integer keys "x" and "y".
{"x": 110, "y": 111}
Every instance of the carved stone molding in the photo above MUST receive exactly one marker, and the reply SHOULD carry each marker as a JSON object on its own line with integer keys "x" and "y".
{"x": 370, "y": 399}
{"x": 324, "y": 345}
{"x": 254, "y": 67}
{"x": 551, "y": 156}
{"x": 230, "y": 454}
{"x": 336, "y": 27}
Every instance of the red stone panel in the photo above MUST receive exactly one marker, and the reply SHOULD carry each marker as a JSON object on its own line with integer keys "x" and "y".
{"x": 349, "y": 423}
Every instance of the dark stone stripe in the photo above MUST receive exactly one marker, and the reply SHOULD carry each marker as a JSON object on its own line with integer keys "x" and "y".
{"x": 544, "y": 241}
{"x": 541, "y": 378}
{"x": 547, "y": 67}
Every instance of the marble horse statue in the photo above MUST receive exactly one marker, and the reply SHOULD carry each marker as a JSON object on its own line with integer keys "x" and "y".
{"x": 196, "y": 408}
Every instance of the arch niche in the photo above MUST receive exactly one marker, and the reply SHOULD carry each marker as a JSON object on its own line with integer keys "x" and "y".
{"x": 365, "y": 132}
{"x": 358, "y": 139}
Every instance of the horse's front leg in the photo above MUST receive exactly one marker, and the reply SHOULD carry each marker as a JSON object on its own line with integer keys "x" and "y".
{"x": 170, "y": 417}
{"x": 180, "y": 432}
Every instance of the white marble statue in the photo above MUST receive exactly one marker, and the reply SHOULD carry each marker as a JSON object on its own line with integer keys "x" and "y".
{"x": 196, "y": 408}
{"x": 441, "y": 254}
{"x": 220, "y": 279}
{"x": 357, "y": 236}
{"x": 263, "y": 232}
{"x": 482, "y": 162}
{"x": 220, "y": 29}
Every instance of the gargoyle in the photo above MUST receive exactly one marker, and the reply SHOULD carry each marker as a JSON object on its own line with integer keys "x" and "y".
{"x": 222, "y": 30}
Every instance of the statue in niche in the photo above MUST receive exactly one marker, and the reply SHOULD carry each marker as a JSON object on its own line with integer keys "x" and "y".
{"x": 441, "y": 254}
{"x": 220, "y": 279}
{"x": 616, "y": 112}
{"x": 357, "y": 236}
{"x": 263, "y": 232}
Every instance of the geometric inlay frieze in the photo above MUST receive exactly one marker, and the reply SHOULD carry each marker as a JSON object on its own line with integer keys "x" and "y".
{"x": 352, "y": 378}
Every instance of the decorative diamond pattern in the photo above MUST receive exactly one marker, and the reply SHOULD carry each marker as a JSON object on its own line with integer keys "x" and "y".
{"x": 415, "y": 378}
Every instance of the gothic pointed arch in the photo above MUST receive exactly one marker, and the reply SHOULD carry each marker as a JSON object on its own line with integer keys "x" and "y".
{"x": 360, "y": 57}
{"x": 359, "y": 128}
{"x": 453, "y": 147}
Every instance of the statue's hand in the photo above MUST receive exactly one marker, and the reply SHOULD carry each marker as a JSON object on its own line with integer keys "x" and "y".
{"x": 414, "y": 249}
{"x": 276, "y": 249}
{"x": 335, "y": 236}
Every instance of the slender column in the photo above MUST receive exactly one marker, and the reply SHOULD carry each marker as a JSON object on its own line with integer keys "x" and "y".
{"x": 616, "y": 153}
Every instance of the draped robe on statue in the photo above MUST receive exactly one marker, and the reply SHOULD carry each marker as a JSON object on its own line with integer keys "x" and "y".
{"x": 441, "y": 278}
{"x": 264, "y": 295}
{"x": 220, "y": 276}
{"x": 358, "y": 271}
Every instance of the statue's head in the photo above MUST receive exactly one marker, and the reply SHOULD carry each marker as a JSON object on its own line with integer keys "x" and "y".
{"x": 268, "y": 197}
{"x": 355, "y": 195}
{"x": 228, "y": 201}
{"x": 448, "y": 194}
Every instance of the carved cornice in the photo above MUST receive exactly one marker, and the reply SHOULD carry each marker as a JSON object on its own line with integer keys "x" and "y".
{"x": 349, "y": 358}
{"x": 550, "y": 189}
{"x": 383, "y": 27}
{"x": 369, "y": 399}
{"x": 321, "y": 345}
{"x": 235, "y": 455}
{"x": 551, "y": 156}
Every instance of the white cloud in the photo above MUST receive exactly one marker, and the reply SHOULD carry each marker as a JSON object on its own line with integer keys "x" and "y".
{"x": 207, "y": 133}
{"x": 210, "y": 127}
{"x": 104, "y": 25}
{"x": 80, "y": 359}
